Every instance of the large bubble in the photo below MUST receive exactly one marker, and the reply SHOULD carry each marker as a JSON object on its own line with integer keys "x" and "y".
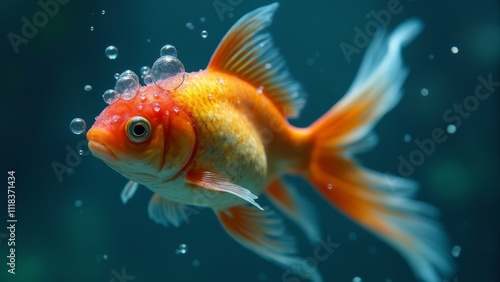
{"x": 168, "y": 72}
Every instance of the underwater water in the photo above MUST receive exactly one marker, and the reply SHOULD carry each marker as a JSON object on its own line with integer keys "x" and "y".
{"x": 71, "y": 224}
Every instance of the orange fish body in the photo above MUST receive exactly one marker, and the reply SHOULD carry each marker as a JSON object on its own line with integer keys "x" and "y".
{"x": 221, "y": 139}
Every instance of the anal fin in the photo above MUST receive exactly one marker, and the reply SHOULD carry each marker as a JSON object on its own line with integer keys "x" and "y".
{"x": 264, "y": 233}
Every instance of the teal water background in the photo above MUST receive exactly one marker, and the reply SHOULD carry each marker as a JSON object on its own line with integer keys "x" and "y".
{"x": 75, "y": 228}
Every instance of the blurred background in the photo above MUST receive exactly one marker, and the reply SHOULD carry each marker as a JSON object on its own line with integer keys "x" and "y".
{"x": 72, "y": 225}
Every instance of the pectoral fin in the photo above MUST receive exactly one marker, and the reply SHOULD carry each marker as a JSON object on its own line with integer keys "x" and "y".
{"x": 217, "y": 182}
{"x": 128, "y": 191}
{"x": 166, "y": 212}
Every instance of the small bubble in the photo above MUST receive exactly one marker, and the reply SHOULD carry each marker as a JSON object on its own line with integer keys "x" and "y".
{"x": 407, "y": 138}
{"x": 451, "y": 129}
{"x": 204, "y": 34}
{"x": 311, "y": 62}
{"x": 142, "y": 96}
{"x": 455, "y": 251}
{"x": 116, "y": 75}
{"x": 431, "y": 56}
{"x": 190, "y": 25}
{"x": 80, "y": 152}
{"x": 424, "y": 92}
{"x": 148, "y": 40}
{"x": 352, "y": 236}
{"x": 91, "y": 28}
{"x": 202, "y": 19}
{"x": 168, "y": 50}
{"x": 103, "y": 12}
{"x": 105, "y": 257}
{"x": 78, "y": 203}
{"x": 182, "y": 249}
{"x": 168, "y": 72}
{"x": 110, "y": 96}
{"x": 77, "y": 126}
{"x": 357, "y": 279}
{"x": 329, "y": 186}
{"x": 196, "y": 263}
{"x": 145, "y": 70}
{"x": 156, "y": 107}
{"x": 139, "y": 106}
{"x": 148, "y": 79}
{"x": 111, "y": 52}
{"x": 454, "y": 49}
{"x": 87, "y": 88}
{"x": 267, "y": 66}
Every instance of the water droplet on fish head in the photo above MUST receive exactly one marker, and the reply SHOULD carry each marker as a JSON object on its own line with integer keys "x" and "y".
{"x": 181, "y": 250}
{"x": 115, "y": 118}
{"x": 168, "y": 50}
{"x": 77, "y": 126}
{"x": 110, "y": 96}
{"x": 156, "y": 107}
{"x": 260, "y": 90}
{"x": 168, "y": 72}
{"x": 204, "y": 34}
{"x": 142, "y": 96}
{"x": 111, "y": 52}
{"x": 176, "y": 109}
{"x": 139, "y": 106}
{"x": 127, "y": 85}
{"x": 87, "y": 88}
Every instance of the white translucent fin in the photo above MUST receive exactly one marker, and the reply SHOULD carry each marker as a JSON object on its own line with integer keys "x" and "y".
{"x": 264, "y": 233}
{"x": 247, "y": 51}
{"x": 166, "y": 212}
{"x": 285, "y": 196}
{"x": 217, "y": 182}
{"x": 380, "y": 203}
{"x": 128, "y": 191}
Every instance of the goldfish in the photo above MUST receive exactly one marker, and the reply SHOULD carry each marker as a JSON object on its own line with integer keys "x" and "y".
{"x": 222, "y": 138}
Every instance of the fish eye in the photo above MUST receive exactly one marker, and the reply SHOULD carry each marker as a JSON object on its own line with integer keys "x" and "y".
{"x": 138, "y": 129}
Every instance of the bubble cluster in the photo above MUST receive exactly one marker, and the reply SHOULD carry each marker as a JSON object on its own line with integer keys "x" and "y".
{"x": 181, "y": 250}
{"x": 168, "y": 72}
{"x": 127, "y": 85}
{"x": 110, "y": 96}
{"x": 111, "y": 52}
{"x": 77, "y": 126}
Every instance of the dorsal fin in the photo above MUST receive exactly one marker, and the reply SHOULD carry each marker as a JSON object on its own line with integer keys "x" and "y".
{"x": 247, "y": 51}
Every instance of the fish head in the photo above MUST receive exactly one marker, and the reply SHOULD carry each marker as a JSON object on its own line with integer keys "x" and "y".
{"x": 147, "y": 138}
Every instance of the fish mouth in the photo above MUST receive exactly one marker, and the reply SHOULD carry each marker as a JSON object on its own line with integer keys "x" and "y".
{"x": 98, "y": 148}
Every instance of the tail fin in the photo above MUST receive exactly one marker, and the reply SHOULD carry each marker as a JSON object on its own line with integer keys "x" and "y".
{"x": 380, "y": 204}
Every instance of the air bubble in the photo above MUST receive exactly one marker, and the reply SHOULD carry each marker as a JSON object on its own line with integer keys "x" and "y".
{"x": 196, "y": 263}
{"x": 110, "y": 96}
{"x": 454, "y": 49}
{"x": 176, "y": 109}
{"x": 148, "y": 79}
{"x": 352, "y": 236}
{"x": 407, "y": 138}
{"x": 91, "y": 28}
{"x": 78, "y": 203}
{"x": 139, "y": 106}
{"x": 204, "y": 34}
{"x": 111, "y": 52}
{"x": 127, "y": 85}
{"x": 357, "y": 279}
{"x": 103, "y": 12}
{"x": 451, "y": 129}
{"x": 142, "y": 96}
{"x": 77, "y": 126}
{"x": 168, "y": 50}
{"x": 168, "y": 72}
{"x": 424, "y": 92}
{"x": 190, "y": 25}
{"x": 145, "y": 70}
{"x": 455, "y": 251}
{"x": 87, "y": 88}
{"x": 80, "y": 152}
{"x": 182, "y": 249}
{"x": 202, "y": 19}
